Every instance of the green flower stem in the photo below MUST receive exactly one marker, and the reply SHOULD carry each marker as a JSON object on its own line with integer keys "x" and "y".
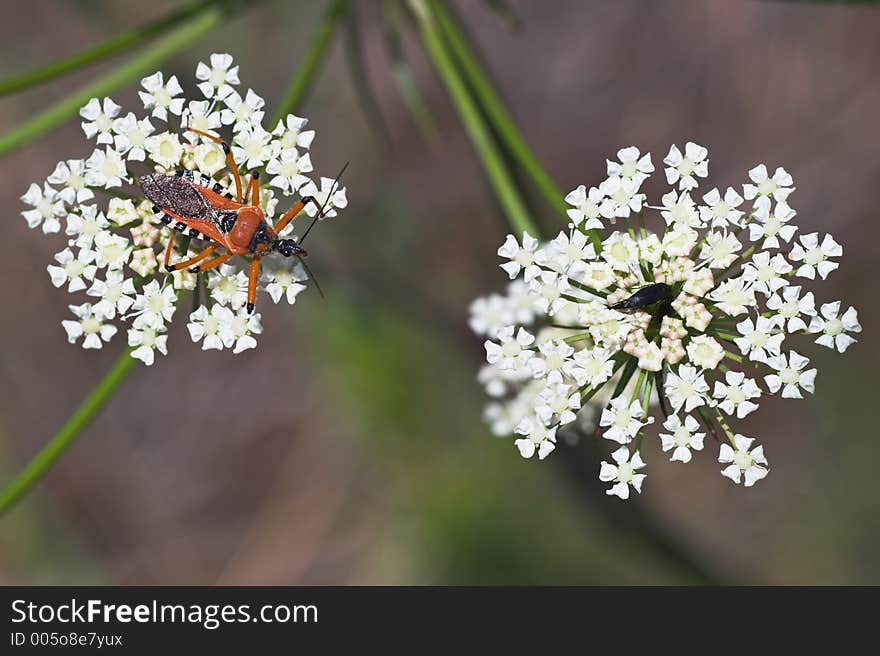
{"x": 140, "y": 64}
{"x": 50, "y": 453}
{"x": 302, "y": 80}
{"x": 495, "y": 110}
{"x": 102, "y": 50}
{"x": 499, "y": 176}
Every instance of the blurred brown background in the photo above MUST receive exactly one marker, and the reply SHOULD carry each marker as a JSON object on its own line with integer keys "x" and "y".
{"x": 355, "y": 452}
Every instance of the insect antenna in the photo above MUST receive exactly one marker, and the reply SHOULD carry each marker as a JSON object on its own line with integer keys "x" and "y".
{"x": 324, "y": 205}
{"x": 311, "y": 276}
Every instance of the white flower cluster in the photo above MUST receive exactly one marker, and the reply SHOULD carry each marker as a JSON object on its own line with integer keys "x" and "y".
{"x": 693, "y": 312}
{"x": 112, "y": 233}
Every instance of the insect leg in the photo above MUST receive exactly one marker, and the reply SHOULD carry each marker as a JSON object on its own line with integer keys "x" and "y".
{"x": 229, "y": 159}
{"x": 213, "y": 262}
{"x": 169, "y": 248}
{"x": 193, "y": 260}
{"x": 292, "y": 212}
{"x": 254, "y": 189}
{"x": 252, "y": 284}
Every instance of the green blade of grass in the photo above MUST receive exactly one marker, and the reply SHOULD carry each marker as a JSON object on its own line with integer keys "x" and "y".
{"x": 102, "y": 50}
{"x": 140, "y": 64}
{"x": 62, "y": 440}
{"x": 303, "y": 78}
{"x": 495, "y": 110}
{"x": 499, "y": 177}
{"x": 392, "y": 21}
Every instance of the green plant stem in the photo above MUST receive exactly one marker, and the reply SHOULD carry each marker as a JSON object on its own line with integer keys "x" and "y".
{"x": 208, "y": 18}
{"x": 495, "y": 109}
{"x": 102, "y": 50}
{"x": 62, "y": 440}
{"x": 499, "y": 177}
{"x": 301, "y": 82}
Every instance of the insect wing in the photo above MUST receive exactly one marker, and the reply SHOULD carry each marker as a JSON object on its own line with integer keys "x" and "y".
{"x": 176, "y": 195}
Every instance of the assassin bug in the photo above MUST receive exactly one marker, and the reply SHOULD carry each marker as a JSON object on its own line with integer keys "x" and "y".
{"x": 192, "y": 203}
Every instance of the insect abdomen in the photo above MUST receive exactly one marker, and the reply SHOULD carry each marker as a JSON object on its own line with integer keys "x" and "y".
{"x": 646, "y": 296}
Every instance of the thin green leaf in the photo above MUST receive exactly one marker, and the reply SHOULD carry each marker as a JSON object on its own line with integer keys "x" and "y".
{"x": 392, "y": 21}
{"x": 62, "y": 440}
{"x": 102, "y": 50}
{"x": 138, "y": 65}
{"x": 495, "y": 110}
{"x": 499, "y": 177}
{"x": 304, "y": 77}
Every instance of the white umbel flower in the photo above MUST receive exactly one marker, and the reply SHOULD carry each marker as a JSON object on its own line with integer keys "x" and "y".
{"x": 623, "y": 473}
{"x": 88, "y": 326}
{"x": 747, "y": 465}
{"x": 671, "y": 303}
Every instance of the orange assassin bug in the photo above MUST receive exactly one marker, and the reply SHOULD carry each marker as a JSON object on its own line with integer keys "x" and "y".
{"x": 192, "y": 203}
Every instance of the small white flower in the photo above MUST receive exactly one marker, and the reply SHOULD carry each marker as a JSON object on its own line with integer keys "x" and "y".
{"x": 200, "y": 115}
{"x": 680, "y": 241}
{"x": 539, "y": 439}
{"x": 510, "y": 353}
{"x": 147, "y": 340}
{"x": 621, "y": 198}
{"x": 623, "y": 473}
{"x": 552, "y": 356}
{"x": 251, "y": 147}
{"x": 779, "y": 186}
{"x": 748, "y": 464}
{"x": 489, "y": 314}
{"x": 105, "y": 168}
{"x": 686, "y": 388}
{"x": 116, "y": 293}
{"x": 632, "y": 166}
{"x": 165, "y": 149}
{"x": 772, "y": 226}
{"x": 229, "y": 286}
{"x": 112, "y": 250}
{"x": 790, "y": 376}
{"x": 155, "y": 306}
{"x": 547, "y": 289}
{"x": 74, "y": 269}
{"x": 685, "y": 169}
{"x": 735, "y": 395}
{"x": 557, "y": 401}
{"x": 734, "y": 296}
{"x": 160, "y": 96}
{"x": 623, "y": 420}
{"x": 242, "y": 112}
{"x": 790, "y": 307}
{"x": 208, "y": 326}
{"x": 679, "y": 210}
{"x": 287, "y": 170}
{"x": 721, "y": 212}
{"x": 324, "y": 198}
{"x": 759, "y": 339}
{"x": 720, "y": 249}
{"x": 71, "y": 174}
{"x": 522, "y": 258}
{"x": 284, "y": 283}
{"x": 216, "y": 79}
{"x": 592, "y": 367}
{"x": 620, "y": 251}
{"x": 238, "y": 332}
{"x": 84, "y": 226}
{"x": 834, "y": 327}
{"x": 815, "y": 256}
{"x": 89, "y": 326}
{"x": 291, "y": 135}
{"x": 705, "y": 352}
{"x": 767, "y": 273}
{"x": 585, "y": 214}
{"x": 47, "y": 208}
{"x": 565, "y": 251}
{"x": 682, "y": 437}
{"x": 99, "y": 119}
{"x": 131, "y": 136}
